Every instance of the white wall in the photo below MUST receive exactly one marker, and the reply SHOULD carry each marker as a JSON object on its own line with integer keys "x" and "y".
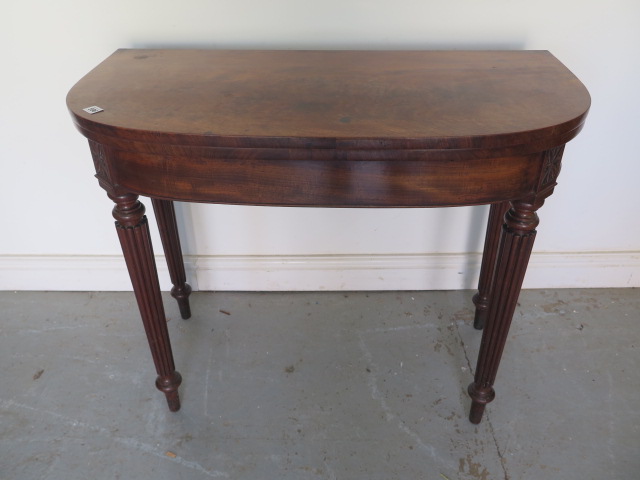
{"x": 58, "y": 233}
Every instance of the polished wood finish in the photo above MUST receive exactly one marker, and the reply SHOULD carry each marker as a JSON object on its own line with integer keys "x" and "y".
{"x": 331, "y": 129}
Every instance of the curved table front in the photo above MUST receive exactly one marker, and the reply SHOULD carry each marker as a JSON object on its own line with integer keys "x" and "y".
{"x": 330, "y": 129}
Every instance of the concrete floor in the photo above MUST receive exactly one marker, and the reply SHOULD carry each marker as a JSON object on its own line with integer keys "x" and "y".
{"x": 319, "y": 386}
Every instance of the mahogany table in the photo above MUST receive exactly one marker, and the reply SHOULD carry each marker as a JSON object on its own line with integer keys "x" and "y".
{"x": 330, "y": 129}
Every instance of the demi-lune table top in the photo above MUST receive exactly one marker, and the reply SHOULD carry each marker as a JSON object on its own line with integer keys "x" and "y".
{"x": 336, "y": 99}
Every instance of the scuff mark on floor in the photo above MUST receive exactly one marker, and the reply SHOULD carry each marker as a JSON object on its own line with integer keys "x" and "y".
{"x": 377, "y": 395}
{"x": 126, "y": 441}
{"x": 475, "y": 469}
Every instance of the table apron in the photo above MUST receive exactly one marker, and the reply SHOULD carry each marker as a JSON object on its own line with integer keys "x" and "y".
{"x": 327, "y": 183}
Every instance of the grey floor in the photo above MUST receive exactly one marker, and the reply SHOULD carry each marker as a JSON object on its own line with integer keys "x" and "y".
{"x": 319, "y": 386}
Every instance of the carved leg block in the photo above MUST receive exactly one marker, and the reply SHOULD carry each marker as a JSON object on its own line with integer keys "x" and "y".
{"x": 487, "y": 269}
{"x": 516, "y": 242}
{"x": 133, "y": 232}
{"x": 166, "y": 217}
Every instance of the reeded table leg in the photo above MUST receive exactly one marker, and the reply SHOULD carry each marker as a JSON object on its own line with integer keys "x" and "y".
{"x": 516, "y": 242}
{"x": 166, "y": 217}
{"x": 487, "y": 270}
{"x": 133, "y": 231}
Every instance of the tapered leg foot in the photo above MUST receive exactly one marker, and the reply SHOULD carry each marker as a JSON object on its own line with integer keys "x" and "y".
{"x": 482, "y": 306}
{"x": 479, "y": 399}
{"x": 166, "y": 217}
{"x": 169, "y": 386}
{"x": 181, "y": 294}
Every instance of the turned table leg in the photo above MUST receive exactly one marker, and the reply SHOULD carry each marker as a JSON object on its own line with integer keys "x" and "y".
{"x": 133, "y": 232}
{"x": 166, "y": 218}
{"x": 516, "y": 242}
{"x": 487, "y": 269}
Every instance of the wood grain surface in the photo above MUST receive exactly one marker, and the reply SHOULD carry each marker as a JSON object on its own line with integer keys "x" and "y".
{"x": 374, "y": 99}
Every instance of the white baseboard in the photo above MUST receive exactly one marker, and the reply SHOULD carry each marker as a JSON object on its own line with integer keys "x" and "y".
{"x": 321, "y": 272}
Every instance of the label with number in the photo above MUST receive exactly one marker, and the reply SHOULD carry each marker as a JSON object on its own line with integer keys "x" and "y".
{"x": 93, "y": 109}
